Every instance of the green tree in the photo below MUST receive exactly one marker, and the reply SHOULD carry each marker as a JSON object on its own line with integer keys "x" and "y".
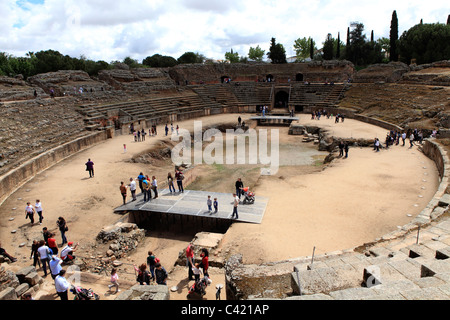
{"x": 276, "y": 53}
{"x": 132, "y": 63}
{"x": 256, "y": 54}
{"x": 328, "y": 47}
{"x": 160, "y": 61}
{"x": 393, "y": 36}
{"x": 425, "y": 43}
{"x": 191, "y": 57}
{"x": 232, "y": 57}
{"x": 354, "y": 51}
{"x": 338, "y": 46}
{"x": 385, "y": 45}
{"x": 51, "y": 61}
{"x": 302, "y": 47}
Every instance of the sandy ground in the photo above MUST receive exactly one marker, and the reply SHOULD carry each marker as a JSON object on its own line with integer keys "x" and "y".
{"x": 351, "y": 202}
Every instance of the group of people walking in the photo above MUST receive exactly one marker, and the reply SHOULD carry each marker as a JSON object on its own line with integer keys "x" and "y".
{"x": 394, "y": 137}
{"x": 149, "y": 185}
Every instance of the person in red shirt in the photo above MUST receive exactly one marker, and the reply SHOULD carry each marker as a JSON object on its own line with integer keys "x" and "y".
{"x": 205, "y": 261}
{"x": 190, "y": 260}
{"x": 51, "y": 243}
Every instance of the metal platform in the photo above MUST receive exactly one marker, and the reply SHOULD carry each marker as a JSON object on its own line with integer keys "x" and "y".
{"x": 193, "y": 203}
{"x": 273, "y": 120}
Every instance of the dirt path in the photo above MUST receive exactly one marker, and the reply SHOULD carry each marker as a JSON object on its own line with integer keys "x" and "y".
{"x": 353, "y": 201}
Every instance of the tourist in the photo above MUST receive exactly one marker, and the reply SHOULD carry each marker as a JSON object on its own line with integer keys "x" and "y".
{"x": 143, "y": 276}
{"x": 341, "y": 148}
{"x": 376, "y": 145}
{"x": 147, "y": 189}
{"x": 123, "y": 192}
{"x": 411, "y": 140}
{"x": 62, "y": 226}
{"x": 29, "y": 211}
{"x": 51, "y": 243}
{"x": 235, "y": 206}
{"x": 140, "y": 179}
{"x": 346, "y": 150}
{"x": 151, "y": 262}
{"x": 160, "y": 274}
{"x": 55, "y": 266}
{"x": 239, "y": 121}
{"x": 44, "y": 254}
{"x": 209, "y": 204}
{"x": 143, "y": 134}
{"x": 90, "y": 168}
{"x": 178, "y": 128}
{"x": 124, "y": 148}
{"x": 132, "y": 186}
{"x": 62, "y": 285}
{"x": 155, "y": 187}
{"x": 216, "y": 205}
{"x": 190, "y": 260}
{"x": 46, "y": 234}
{"x": 135, "y": 136}
{"x": 239, "y": 185}
{"x": 138, "y": 136}
{"x": 205, "y": 261}
{"x": 171, "y": 128}
{"x": 170, "y": 182}
{"x": 114, "y": 280}
{"x": 27, "y": 296}
{"x": 154, "y": 130}
{"x": 196, "y": 271}
{"x": 67, "y": 252}
{"x": 38, "y": 208}
{"x": 166, "y": 129}
{"x": 35, "y": 254}
{"x": 179, "y": 177}
{"x": 6, "y": 254}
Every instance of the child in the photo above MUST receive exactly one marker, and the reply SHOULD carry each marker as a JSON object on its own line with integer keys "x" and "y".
{"x": 209, "y": 203}
{"x": 216, "y": 205}
{"x": 114, "y": 280}
{"x": 196, "y": 270}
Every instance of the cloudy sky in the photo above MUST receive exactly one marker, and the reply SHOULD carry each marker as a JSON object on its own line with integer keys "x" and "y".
{"x": 113, "y": 30}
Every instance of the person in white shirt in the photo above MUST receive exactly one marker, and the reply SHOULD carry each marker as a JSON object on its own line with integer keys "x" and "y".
{"x": 62, "y": 285}
{"x": 235, "y": 206}
{"x": 55, "y": 266}
{"x": 67, "y": 252}
{"x": 155, "y": 187}
{"x": 38, "y": 208}
{"x": 29, "y": 211}
{"x": 132, "y": 186}
{"x": 43, "y": 252}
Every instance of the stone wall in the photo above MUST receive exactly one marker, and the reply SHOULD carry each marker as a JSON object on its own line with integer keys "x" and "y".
{"x": 337, "y": 71}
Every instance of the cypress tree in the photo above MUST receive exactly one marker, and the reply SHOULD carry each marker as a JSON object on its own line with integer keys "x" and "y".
{"x": 348, "y": 37}
{"x": 338, "y": 50}
{"x": 448, "y": 20}
{"x": 393, "y": 37}
{"x": 311, "y": 49}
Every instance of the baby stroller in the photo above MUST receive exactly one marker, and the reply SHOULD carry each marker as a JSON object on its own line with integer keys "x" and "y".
{"x": 199, "y": 288}
{"x": 249, "y": 197}
{"x": 84, "y": 294}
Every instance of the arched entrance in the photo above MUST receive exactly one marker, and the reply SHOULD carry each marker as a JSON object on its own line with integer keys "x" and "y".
{"x": 299, "y": 77}
{"x": 281, "y": 99}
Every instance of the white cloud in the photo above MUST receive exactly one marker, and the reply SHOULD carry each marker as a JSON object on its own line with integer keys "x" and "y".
{"x": 106, "y": 30}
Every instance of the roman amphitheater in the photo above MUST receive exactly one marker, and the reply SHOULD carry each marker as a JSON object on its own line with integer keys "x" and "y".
{"x": 371, "y": 226}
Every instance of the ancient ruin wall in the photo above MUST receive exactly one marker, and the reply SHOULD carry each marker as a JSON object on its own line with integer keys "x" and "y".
{"x": 321, "y": 71}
